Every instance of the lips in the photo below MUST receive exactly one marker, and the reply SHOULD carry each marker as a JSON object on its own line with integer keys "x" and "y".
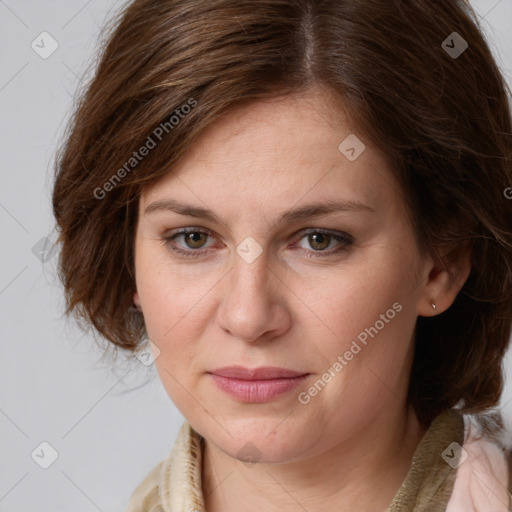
{"x": 262, "y": 373}
{"x": 256, "y": 385}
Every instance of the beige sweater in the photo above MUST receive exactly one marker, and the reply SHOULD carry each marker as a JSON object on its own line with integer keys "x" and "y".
{"x": 443, "y": 477}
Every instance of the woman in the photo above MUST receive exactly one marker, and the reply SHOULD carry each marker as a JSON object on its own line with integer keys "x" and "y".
{"x": 303, "y": 205}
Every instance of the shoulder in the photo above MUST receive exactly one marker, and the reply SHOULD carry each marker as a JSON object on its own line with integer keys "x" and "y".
{"x": 482, "y": 482}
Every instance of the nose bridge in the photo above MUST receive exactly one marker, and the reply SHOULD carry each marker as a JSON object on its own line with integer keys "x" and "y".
{"x": 248, "y": 306}
{"x": 251, "y": 273}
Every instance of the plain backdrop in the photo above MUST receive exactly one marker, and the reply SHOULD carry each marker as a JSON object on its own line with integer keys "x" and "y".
{"x": 108, "y": 425}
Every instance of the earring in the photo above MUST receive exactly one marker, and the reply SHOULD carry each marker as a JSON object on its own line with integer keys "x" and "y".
{"x": 433, "y": 306}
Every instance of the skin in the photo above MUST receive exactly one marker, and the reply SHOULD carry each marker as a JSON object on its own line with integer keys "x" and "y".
{"x": 351, "y": 446}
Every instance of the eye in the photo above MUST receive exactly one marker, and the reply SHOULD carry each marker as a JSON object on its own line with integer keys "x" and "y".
{"x": 319, "y": 240}
{"x": 194, "y": 239}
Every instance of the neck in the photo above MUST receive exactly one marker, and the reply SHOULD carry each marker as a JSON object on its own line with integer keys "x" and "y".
{"x": 360, "y": 473}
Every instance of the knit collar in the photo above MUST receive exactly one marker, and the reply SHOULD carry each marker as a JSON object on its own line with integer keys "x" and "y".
{"x": 429, "y": 483}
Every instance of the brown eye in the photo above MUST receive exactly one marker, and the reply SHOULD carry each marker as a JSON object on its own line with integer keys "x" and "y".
{"x": 195, "y": 239}
{"x": 323, "y": 244}
{"x": 319, "y": 241}
{"x": 193, "y": 243}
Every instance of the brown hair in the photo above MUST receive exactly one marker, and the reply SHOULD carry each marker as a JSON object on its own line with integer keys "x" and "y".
{"x": 442, "y": 120}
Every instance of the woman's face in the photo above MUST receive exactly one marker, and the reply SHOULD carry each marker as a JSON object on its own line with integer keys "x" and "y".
{"x": 259, "y": 291}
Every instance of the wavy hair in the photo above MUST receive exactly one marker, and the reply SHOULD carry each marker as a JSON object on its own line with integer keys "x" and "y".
{"x": 442, "y": 120}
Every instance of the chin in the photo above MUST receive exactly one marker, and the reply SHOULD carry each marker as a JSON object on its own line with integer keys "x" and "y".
{"x": 262, "y": 440}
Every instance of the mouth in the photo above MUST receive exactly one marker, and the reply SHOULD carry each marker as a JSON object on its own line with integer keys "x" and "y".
{"x": 256, "y": 385}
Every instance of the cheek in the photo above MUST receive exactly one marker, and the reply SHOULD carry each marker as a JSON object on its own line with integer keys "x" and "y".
{"x": 354, "y": 298}
{"x": 177, "y": 307}
{"x": 368, "y": 319}
{"x": 171, "y": 294}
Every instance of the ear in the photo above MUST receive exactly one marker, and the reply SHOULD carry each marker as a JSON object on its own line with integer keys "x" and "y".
{"x": 445, "y": 280}
{"x": 136, "y": 300}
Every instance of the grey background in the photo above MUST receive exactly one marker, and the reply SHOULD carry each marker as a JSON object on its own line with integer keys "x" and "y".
{"x": 54, "y": 386}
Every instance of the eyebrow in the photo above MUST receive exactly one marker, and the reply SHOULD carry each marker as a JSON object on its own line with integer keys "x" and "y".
{"x": 301, "y": 213}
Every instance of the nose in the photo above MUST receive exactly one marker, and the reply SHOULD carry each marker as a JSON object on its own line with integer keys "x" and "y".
{"x": 253, "y": 304}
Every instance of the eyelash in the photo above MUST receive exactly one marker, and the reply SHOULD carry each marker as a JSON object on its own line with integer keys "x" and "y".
{"x": 345, "y": 239}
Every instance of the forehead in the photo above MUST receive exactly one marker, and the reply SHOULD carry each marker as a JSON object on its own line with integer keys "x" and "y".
{"x": 275, "y": 153}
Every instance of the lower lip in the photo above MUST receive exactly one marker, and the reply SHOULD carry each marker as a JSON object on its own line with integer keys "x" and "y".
{"x": 256, "y": 390}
